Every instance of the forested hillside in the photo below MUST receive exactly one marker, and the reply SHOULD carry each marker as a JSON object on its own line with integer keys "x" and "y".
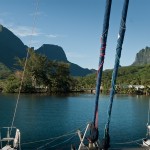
{"x": 131, "y": 75}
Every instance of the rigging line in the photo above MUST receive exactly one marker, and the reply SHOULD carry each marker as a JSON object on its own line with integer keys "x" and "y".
{"x": 64, "y": 135}
{"x": 141, "y": 145}
{"x": 56, "y": 144}
{"x": 25, "y": 64}
{"x": 63, "y": 142}
{"x": 55, "y": 138}
{"x": 34, "y": 22}
{"x": 134, "y": 141}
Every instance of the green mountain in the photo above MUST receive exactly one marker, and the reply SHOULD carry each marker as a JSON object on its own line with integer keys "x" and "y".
{"x": 11, "y": 46}
{"x": 54, "y": 52}
{"x": 142, "y": 57}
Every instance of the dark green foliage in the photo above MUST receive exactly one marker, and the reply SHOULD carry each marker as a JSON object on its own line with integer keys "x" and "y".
{"x": 135, "y": 75}
{"x": 11, "y": 85}
{"x": 40, "y": 73}
{"x": 131, "y": 75}
{"x": 60, "y": 78}
{"x": 4, "y": 71}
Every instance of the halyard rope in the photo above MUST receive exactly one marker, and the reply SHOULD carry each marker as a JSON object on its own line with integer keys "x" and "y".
{"x": 54, "y": 139}
{"x": 22, "y": 78}
{"x": 134, "y": 141}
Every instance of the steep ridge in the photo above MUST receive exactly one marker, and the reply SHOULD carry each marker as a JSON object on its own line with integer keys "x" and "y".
{"x": 11, "y": 46}
{"x": 142, "y": 57}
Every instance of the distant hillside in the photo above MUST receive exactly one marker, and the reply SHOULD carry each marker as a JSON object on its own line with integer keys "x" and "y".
{"x": 130, "y": 75}
{"x": 54, "y": 52}
{"x": 142, "y": 57}
{"x": 11, "y": 46}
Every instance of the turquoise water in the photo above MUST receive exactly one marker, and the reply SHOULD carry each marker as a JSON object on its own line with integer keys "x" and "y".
{"x": 42, "y": 117}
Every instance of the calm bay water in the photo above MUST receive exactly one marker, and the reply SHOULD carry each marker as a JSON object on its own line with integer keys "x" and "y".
{"x": 42, "y": 117}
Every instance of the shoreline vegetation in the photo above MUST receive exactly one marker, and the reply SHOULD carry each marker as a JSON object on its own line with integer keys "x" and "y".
{"x": 44, "y": 76}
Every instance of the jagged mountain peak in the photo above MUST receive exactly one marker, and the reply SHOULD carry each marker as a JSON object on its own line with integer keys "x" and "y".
{"x": 53, "y": 52}
{"x": 11, "y": 46}
{"x": 142, "y": 57}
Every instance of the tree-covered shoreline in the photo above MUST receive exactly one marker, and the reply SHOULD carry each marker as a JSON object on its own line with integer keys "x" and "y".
{"x": 44, "y": 76}
{"x": 40, "y": 75}
{"x": 130, "y": 80}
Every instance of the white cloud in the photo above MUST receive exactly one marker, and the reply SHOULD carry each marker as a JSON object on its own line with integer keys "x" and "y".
{"x": 39, "y": 13}
{"x": 55, "y": 36}
{"x": 52, "y": 36}
{"x": 35, "y": 42}
{"x": 74, "y": 55}
{"x": 24, "y": 31}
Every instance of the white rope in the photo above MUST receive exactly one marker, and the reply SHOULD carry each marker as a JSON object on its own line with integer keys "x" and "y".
{"x": 22, "y": 78}
{"x": 53, "y": 138}
{"x": 56, "y": 138}
{"x": 63, "y": 142}
{"x": 56, "y": 144}
{"x": 34, "y": 22}
{"x": 134, "y": 141}
{"x": 139, "y": 144}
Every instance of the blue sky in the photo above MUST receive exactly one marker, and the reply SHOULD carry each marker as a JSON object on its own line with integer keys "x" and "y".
{"x": 76, "y": 26}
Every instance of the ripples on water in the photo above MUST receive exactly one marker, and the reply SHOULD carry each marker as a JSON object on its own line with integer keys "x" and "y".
{"x": 42, "y": 116}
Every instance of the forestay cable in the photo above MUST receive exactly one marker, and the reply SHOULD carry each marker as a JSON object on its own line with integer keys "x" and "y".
{"x": 44, "y": 146}
{"x": 25, "y": 64}
{"x": 56, "y": 138}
